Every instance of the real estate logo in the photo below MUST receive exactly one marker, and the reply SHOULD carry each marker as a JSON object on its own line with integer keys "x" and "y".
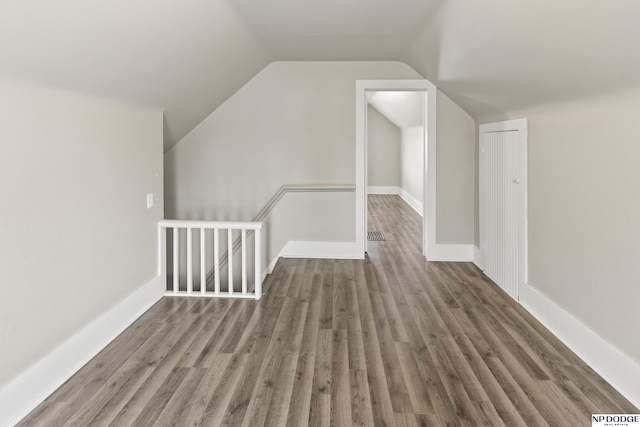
{"x": 615, "y": 420}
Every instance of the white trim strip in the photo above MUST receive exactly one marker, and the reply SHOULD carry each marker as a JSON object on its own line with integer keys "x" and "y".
{"x": 236, "y": 225}
{"x": 209, "y": 295}
{"x": 415, "y": 204}
{"x": 33, "y": 386}
{"x": 326, "y": 250}
{"x": 614, "y": 366}
{"x": 451, "y": 253}
{"x": 380, "y": 189}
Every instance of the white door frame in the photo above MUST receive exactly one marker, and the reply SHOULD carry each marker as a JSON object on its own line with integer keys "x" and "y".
{"x": 521, "y": 126}
{"x": 429, "y": 187}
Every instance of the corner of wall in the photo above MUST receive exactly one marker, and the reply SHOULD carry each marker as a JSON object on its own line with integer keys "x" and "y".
{"x": 478, "y": 257}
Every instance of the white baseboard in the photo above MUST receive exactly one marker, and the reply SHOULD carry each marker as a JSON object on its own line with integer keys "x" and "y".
{"x": 452, "y": 253}
{"x": 378, "y": 189}
{"x": 326, "y": 250}
{"x": 478, "y": 258}
{"x": 412, "y": 201}
{"x": 271, "y": 266}
{"x": 311, "y": 249}
{"x": 609, "y": 362}
{"x": 330, "y": 250}
{"x": 28, "y": 390}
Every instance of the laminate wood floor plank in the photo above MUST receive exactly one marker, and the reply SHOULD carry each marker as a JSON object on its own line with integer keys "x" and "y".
{"x": 289, "y": 322}
{"x": 326, "y": 317}
{"x": 178, "y": 403}
{"x": 165, "y": 391}
{"x": 320, "y": 404}
{"x": 458, "y": 395}
{"x": 162, "y": 381}
{"x": 203, "y": 396}
{"x": 340, "y": 384}
{"x": 241, "y": 395}
{"x": 258, "y": 360}
{"x": 496, "y": 395}
{"x": 284, "y": 379}
{"x": 340, "y": 280}
{"x": 530, "y": 387}
{"x": 417, "y": 388}
{"x": 220, "y": 402}
{"x": 124, "y": 380}
{"x": 361, "y": 411}
{"x": 300, "y": 399}
{"x": 393, "y": 300}
{"x": 356, "y": 354}
{"x": 378, "y": 388}
{"x": 200, "y": 346}
{"x": 528, "y": 411}
{"x": 391, "y": 340}
{"x": 240, "y": 327}
{"x": 320, "y": 411}
{"x": 207, "y": 355}
{"x": 395, "y": 381}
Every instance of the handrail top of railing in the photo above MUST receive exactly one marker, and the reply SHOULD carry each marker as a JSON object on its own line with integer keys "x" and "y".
{"x": 235, "y": 225}
{"x": 257, "y": 223}
{"x": 318, "y": 187}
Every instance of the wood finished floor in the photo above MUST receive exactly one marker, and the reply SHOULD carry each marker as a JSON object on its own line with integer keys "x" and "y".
{"x": 390, "y": 340}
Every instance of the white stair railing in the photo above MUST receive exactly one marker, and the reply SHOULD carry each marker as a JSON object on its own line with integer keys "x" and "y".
{"x": 209, "y": 281}
{"x": 215, "y": 290}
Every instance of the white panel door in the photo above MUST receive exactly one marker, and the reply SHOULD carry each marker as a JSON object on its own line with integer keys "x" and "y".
{"x": 503, "y": 204}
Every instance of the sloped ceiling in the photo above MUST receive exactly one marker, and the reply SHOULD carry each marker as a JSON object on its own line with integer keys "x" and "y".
{"x": 404, "y": 109}
{"x": 334, "y": 30}
{"x": 502, "y": 55}
{"x": 188, "y": 57}
{"x": 185, "y": 57}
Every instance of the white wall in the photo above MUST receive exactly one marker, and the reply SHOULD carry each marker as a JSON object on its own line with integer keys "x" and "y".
{"x": 456, "y": 176}
{"x": 412, "y": 161}
{"x": 77, "y": 238}
{"x": 383, "y": 150}
{"x": 293, "y": 123}
{"x": 584, "y": 211}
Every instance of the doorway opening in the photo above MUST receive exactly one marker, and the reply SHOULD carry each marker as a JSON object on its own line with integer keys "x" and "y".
{"x": 395, "y": 149}
{"x": 365, "y": 91}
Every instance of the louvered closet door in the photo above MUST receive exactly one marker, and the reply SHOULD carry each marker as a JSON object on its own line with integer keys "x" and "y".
{"x": 500, "y": 227}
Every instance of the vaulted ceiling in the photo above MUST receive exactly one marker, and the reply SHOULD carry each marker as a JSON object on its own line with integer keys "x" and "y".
{"x": 188, "y": 57}
{"x": 405, "y": 109}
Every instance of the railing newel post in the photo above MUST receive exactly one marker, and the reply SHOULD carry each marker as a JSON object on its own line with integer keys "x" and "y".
{"x": 258, "y": 263}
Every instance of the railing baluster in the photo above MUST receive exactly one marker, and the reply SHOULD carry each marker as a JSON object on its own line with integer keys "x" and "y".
{"x": 176, "y": 264}
{"x": 234, "y": 243}
{"x": 203, "y": 261}
{"x": 216, "y": 262}
{"x": 244, "y": 261}
{"x": 258, "y": 262}
{"x": 189, "y": 261}
{"x": 230, "y": 258}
